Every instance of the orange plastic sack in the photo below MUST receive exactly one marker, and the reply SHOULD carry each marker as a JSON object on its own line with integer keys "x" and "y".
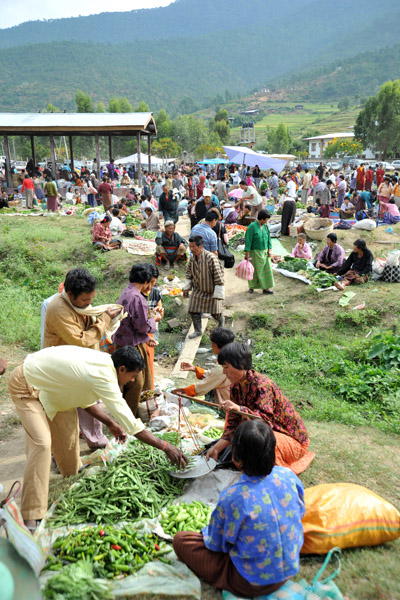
{"x": 346, "y": 515}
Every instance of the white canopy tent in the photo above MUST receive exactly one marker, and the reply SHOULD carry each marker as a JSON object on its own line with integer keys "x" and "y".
{"x": 144, "y": 159}
{"x": 245, "y": 156}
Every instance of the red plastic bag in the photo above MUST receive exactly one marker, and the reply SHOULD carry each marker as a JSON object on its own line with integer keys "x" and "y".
{"x": 245, "y": 270}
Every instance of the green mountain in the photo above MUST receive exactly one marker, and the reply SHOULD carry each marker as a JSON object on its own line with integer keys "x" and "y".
{"x": 189, "y": 48}
{"x": 361, "y": 75}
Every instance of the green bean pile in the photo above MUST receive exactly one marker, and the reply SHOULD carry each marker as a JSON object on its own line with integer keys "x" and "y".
{"x": 134, "y": 486}
{"x": 112, "y": 552}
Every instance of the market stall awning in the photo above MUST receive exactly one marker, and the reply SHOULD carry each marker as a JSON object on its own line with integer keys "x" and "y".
{"x": 77, "y": 123}
{"x": 245, "y": 156}
{"x": 144, "y": 158}
{"x": 213, "y": 161}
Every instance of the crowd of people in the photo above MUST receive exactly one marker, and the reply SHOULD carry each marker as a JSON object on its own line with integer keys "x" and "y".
{"x": 107, "y": 352}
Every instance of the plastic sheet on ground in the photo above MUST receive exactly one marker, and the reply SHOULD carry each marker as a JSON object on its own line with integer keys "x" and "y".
{"x": 154, "y": 580}
{"x": 208, "y": 488}
{"x": 301, "y": 278}
{"x": 140, "y": 247}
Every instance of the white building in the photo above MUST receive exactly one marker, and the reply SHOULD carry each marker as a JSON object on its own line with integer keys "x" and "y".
{"x": 319, "y": 143}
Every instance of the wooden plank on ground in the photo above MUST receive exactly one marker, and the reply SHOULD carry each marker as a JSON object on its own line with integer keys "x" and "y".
{"x": 188, "y": 352}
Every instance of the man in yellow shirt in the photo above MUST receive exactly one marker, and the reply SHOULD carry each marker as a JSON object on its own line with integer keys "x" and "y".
{"x": 57, "y": 380}
{"x": 66, "y": 323}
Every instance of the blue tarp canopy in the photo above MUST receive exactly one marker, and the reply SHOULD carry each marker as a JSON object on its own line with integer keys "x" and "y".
{"x": 213, "y": 161}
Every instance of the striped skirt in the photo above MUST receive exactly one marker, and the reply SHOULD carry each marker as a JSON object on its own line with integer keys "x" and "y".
{"x": 263, "y": 278}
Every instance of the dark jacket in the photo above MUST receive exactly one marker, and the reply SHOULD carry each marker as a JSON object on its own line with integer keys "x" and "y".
{"x": 201, "y": 209}
{"x": 168, "y": 206}
{"x": 362, "y": 265}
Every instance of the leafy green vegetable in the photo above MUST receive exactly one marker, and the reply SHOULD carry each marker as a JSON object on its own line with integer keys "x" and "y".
{"x": 77, "y": 581}
{"x": 293, "y": 264}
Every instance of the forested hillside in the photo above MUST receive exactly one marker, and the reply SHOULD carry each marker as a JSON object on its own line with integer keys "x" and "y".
{"x": 359, "y": 76}
{"x": 212, "y": 46}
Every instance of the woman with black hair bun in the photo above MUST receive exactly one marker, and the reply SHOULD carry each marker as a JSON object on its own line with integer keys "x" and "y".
{"x": 101, "y": 236}
{"x": 255, "y": 394}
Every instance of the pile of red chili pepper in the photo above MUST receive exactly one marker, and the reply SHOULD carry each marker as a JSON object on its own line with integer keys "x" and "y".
{"x": 112, "y": 552}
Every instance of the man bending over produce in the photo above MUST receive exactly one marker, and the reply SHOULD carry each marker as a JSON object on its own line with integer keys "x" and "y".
{"x": 60, "y": 379}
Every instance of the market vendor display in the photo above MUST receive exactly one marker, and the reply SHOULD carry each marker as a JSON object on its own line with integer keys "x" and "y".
{"x": 357, "y": 268}
{"x": 255, "y": 394}
{"x": 213, "y": 381}
{"x": 59, "y": 380}
{"x": 251, "y": 546}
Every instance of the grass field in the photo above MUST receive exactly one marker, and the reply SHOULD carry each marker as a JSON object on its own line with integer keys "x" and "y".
{"x": 298, "y": 336}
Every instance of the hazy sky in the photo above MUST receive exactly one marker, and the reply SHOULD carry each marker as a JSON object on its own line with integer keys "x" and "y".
{"x": 18, "y": 11}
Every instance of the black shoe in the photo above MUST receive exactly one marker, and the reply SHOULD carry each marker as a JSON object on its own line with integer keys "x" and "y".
{"x": 268, "y": 292}
{"x": 251, "y": 291}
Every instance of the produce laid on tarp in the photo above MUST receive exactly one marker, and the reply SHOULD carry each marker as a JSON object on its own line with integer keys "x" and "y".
{"x": 185, "y": 517}
{"x": 301, "y": 269}
{"x": 111, "y": 551}
{"x": 133, "y": 486}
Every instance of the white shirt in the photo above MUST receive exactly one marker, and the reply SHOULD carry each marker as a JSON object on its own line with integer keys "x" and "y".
{"x": 347, "y": 206}
{"x": 251, "y": 191}
{"x": 291, "y": 189}
{"x": 115, "y": 225}
{"x": 71, "y": 377}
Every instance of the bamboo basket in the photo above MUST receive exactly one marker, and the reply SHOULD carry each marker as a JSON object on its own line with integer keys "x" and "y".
{"x": 313, "y": 228}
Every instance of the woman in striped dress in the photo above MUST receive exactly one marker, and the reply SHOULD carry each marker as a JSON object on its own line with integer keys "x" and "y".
{"x": 257, "y": 248}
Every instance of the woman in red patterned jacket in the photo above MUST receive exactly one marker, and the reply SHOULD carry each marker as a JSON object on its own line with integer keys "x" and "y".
{"x": 255, "y": 394}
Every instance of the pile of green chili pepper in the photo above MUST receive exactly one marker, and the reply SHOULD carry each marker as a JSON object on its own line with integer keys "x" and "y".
{"x": 112, "y": 552}
{"x": 134, "y": 486}
{"x": 213, "y": 433}
{"x": 185, "y": 517}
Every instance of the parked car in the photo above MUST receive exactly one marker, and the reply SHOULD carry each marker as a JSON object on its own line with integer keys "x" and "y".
{"x": 335, "y": 165}
{"x": 395, "y": 163}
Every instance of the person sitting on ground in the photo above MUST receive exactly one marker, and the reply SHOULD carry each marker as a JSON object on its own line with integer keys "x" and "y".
{"x": 229, "y": 214}
{"x": 125, "y": 180}
{"x": 206, "y": 231}
{"x": 101, "y": 236}
{"x": 302, "y": 249}
{"x": 4, "y": 200}
{"x": 170, "y": 247}
{"x": 115, "y": 225}
{"x": 252, "y": 543}
{"x": 246, "y": 219}
{"x": 394, "y": 213}
{"x": 357, "y": 267}
{"x": 255, "y": 394}
{"x": 331, "y": 257}
{"x": 213, "y": 382}
{"x": 347, "y": 209}
{"x": 152, "y": 222}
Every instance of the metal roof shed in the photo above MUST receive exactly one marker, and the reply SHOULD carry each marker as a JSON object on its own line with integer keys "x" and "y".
{"x": 76, "y": 124}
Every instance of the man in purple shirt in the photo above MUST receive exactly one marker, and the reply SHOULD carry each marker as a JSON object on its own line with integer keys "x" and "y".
{"x": 135, "y": 328}
{"x": 332, "y": 256}
{"x": 111, "y": 169}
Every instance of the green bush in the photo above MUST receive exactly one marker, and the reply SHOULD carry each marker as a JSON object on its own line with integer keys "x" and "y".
{"x": 358, "y": 318}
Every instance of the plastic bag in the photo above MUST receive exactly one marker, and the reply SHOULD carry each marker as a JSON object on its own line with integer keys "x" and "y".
{"x": 367, "y": 224}
{"x": 19, "y": 535}
{"x": 346, "y": 515}
{"x": 245, "y": 270}
{"x": 148, "y": 407}
{"x": 324, "y": 589}
{"x": 378, "y": 265}
{"x": 393, "y": 258}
